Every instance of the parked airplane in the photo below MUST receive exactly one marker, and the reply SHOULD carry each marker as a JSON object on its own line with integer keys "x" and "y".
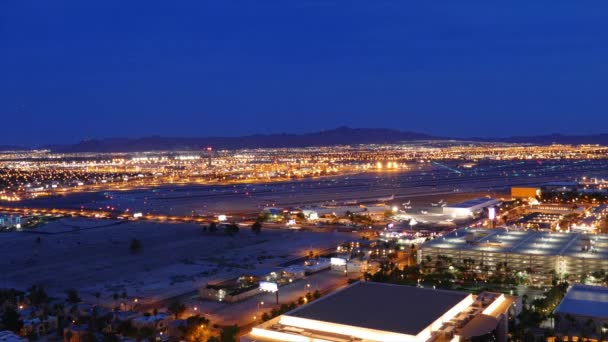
{"x": 389, "y": 198}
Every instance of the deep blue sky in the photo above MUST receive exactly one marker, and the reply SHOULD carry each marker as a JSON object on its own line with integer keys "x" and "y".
{"x": 83, "y": 69}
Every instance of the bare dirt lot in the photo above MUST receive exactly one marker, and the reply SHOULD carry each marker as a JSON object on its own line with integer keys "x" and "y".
{"x": 94, "y": 256}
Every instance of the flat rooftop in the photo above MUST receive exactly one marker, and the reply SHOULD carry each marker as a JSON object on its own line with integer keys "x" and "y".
{"x": 585, "y": 300}
{"x": 387, "y": 307}
{"x": 501, "y": 240}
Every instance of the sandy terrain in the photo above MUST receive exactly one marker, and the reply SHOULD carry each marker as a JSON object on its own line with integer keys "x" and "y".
{"x": 175, "y": 258}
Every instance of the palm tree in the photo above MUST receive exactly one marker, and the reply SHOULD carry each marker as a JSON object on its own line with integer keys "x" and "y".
{"x": 97, "y": 295}
{"x": 115, "y": 297}
{"x": 176, "y": 308}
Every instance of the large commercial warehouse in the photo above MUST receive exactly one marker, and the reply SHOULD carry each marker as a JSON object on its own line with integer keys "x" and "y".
{"x": 539, "y": 254}
{"x": 584, "y": 307}
{"x": 374, "y": 312}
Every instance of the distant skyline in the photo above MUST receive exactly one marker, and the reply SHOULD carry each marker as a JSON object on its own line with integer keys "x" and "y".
{"x": 72, "y": 69}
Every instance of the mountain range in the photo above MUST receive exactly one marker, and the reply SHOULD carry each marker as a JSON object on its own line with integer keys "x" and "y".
{"x": 337, "y": 136}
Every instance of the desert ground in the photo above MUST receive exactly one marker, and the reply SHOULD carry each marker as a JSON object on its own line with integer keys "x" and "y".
{"x": 94, "y": 256}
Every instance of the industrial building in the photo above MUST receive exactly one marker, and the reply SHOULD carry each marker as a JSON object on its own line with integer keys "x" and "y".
{"x": 377, "y": 312}
{"x": 525, "y": 191}
{"x": 538, "y": 254}
{"x": 469, "y": 208}
{"x": 583, "y": 307}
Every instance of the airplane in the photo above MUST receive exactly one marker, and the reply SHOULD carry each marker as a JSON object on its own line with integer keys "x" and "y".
{"x": 390, "y": 198}
{"x": 407, "y": 203}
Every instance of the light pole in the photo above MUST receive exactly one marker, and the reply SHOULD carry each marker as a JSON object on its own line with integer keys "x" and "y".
{"x": 259, "y": 304}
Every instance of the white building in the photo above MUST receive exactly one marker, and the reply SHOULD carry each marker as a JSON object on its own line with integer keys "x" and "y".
{"x": 470, "y": 207}
{"x": 375, "y": 312}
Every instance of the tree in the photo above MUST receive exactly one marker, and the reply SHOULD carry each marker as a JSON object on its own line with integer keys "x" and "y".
{"x": 196, "y": 329}
{"x": 388, "y": 214}
{"x": 10, "y": 296}
{"x": 97, "y": 295}
{"x": 256, "y": 227}
{"x": 146, "y": 333}
{"x": 11, "y": 320}
{"x": 115, "y": 296}
{"x": 176, "y": 308}
{"x": 135, "y": 246}
{"x": 231, "y": 229}
{"x": 37, "y": 295}
{"x": 87, "y": 336}
{"x": 125, "y": 328}
{"x": 229, "y": 333}
{"x": 316, "y": 294}
{"x": 73, "y": 297}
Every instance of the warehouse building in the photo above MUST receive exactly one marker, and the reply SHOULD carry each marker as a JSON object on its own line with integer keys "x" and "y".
{"x": 375, "y": 312}
{"x": 525, "y": 191}
{"x": 583, "y": 308}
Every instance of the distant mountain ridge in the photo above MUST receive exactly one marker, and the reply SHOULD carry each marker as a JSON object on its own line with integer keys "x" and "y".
{"x": 601, "y": 139}
{"x": 338, "y": 136}
{"x": 12, "y": 148}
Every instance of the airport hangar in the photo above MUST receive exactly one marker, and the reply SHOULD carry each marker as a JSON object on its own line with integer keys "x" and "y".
{"x": 470, "y": 207}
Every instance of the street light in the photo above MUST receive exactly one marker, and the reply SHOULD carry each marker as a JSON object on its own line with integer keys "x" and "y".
{"x": 259, "y": 303}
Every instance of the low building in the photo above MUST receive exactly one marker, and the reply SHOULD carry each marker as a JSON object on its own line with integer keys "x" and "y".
{"x": 469, "y": 208}
{"x": 375, "y": 312}
{"x": 540, "y": 221}
{"x": 583, "y": 310}
{"x": 357, "y": 265}
{"x": 316, "y": 265}
{"x": 525, "y": 191}
{"x": 555, "y": 208}
{"x": 313, "y": 213}
{"x": 157, "y": 322}
{"x": 248, "y": 285}
{"x": 593, "y": 221}
{"x": 40, "y": 325}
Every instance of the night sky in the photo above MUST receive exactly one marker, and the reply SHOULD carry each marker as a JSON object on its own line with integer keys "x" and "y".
{"x": 79, "y": 69}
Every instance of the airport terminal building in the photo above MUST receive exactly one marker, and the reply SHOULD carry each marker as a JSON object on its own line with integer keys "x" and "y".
{"x": 539, "y": 254}
{"x": 377, "y": 312}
